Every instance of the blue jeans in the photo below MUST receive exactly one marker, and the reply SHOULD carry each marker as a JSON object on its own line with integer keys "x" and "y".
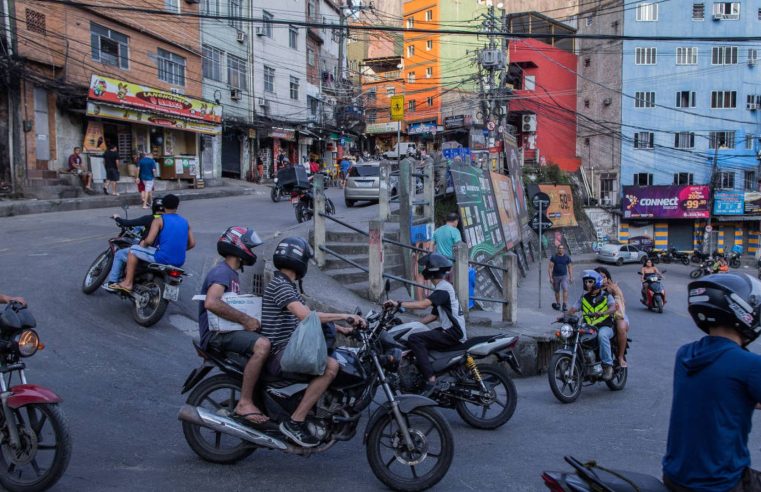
{"x": 120, "y": 259}
{"x": 604, "y": 334}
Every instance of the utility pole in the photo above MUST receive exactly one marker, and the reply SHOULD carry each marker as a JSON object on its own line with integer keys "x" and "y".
{"x": 714, "y": 179}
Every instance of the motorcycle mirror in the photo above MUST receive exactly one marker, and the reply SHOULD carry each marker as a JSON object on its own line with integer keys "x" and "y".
{"x": 639, "y": 273}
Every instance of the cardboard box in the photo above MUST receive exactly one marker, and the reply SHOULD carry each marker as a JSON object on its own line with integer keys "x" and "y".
{"x": 249, "y": 304}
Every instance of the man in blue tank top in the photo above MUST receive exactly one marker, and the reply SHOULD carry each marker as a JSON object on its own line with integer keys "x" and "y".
{"x": 166, "y": 243}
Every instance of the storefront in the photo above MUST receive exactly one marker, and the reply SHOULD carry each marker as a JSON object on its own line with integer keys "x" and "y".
{"x": 382, "y": 136}
{"x": 279, "y": 141}
{"x": 737, "y": 217}
{"x": 139, "y": 119}
{"x": 424, "y": 133}
{"x": 457, "y": 129}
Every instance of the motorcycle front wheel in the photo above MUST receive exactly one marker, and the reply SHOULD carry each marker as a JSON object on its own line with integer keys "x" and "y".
{"x": 330, "y": 209}
{"x": 275, "y": 194}
{"x": 98, "y": 272}
{"x": 685, "y": 260}
{"x": 696, "y": 273}
{"x": 300, "y": 215}
{"x": 496, "y": 409}
{"x": 150, "y": 304}
{"x": 734, "y": 262}
{"x": 43, "y": 453}
{"x": 401, "y": 469}
{"x": 658, "y": 301}
{"x": 565, "y": 381}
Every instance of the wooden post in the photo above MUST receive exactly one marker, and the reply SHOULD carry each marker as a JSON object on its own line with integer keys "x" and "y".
{"x": 384, "y": 208}
{"x": 375, "y": 258}
{"x": 405, "y": 215}
{"x": 461, "y": 275}
{"x": 319, "y": 220}
{"x": 510, "y": 288}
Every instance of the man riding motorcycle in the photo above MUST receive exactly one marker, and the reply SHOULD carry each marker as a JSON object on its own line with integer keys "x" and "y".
{"x": 717, "y": 386}
{"x": 598, "y": 309}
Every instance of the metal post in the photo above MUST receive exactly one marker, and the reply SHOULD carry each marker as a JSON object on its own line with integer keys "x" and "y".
{"x": 319, "y": 220}
{"x": 405, "y": 215}
{"x": 461, "y": 275}
{"x": 384, "y": 208}
{"x": 510, "y": 288}
{"x": 398, "y": 142}
{"x": 540, "y": 256}
{"x": 428, "y": 191}
{"x": 375, "y": 258}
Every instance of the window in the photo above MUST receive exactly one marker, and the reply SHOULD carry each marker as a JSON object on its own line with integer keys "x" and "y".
{"x": 759, "y": 14}
{"x": 172, "y": 5}
{"x": 35, "y": 22}
{"x": 588, "y": 21}
{"x": 294, "y": 88}
{"x": 171, "y": 67}
{"x": 371, "y": 93}
{"x": 210, "y": 7}
{"x": 293, "y": 37}
{"x": 371, "y": 116}
{"x": 684, "y": 140}
{"x": 236, "y": 72}
{"x": 644, "y": 99}
{"x": 749, "y": 139}
{"x": 752, "y": 56}
{"x": 727, "y": 10}
{"x": 643, "y": 179}
{"x": 723, "y": 99}
{"x": 724, "y": 55}
{"x": 429, "y": 15}
{"x": 529, "y": 82}
{"x": 411, "y": 77}
{"x": 587, "y": 62}
{"x": 753, "y": 102}
{"x": 109, "y": 47}
{"x": 310, "y": 57}
{"x": 428, "y": 72}
{"x": 721, "y": 140}
{"x": 411, "y": 106}
{"x": 390, "y": 91}
{"x": 312, "y": 14}
{"x": 608, "y": 188}
{"x": 266, "y": 24}
{"x": 687, "y": 56}
{"x": 647, "y": 12}
{"x": 312, "y": 102}
{"x": 644, "y": 140}
{"x": 235, "y": 13}
{"x": 749, "y": 181}
{"x": 727, "y": 180}
{"x": 269, "y": 79}
{"x": 429, "y": 101}
{"x": 410, "y": 23}
{"x": 698, "y": 11}
{"x": 644, "y": 56}
{"x": 685, "y": 99}
{"x": 410, "y": 51}
{"x": 212, "y": 63}
{"x": 586, "y": 103}
{"x": 682, "y": 178}
{"x": 429, "y": 45}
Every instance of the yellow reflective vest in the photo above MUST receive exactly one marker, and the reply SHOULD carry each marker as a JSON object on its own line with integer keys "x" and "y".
{"x": 595, "y": 304}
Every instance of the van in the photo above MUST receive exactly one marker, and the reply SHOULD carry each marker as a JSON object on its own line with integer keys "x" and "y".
{"x": 402, "y": 150}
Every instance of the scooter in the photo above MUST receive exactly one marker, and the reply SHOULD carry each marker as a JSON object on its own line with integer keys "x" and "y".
{"x": 655, "y": 293}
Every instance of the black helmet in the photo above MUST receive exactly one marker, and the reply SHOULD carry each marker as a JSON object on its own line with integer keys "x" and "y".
{"x": 239, "y": 241}
{"x": 435, "y": 266}
{"x": 727, "y": 299}
{"x": 157, "y": 206}
{"x": 293, "y": 253}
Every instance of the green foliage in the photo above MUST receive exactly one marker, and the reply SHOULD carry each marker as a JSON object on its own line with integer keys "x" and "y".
{"x": 444, "y": 205}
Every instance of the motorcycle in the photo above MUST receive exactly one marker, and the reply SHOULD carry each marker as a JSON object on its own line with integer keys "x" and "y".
{"x": 155, "y": 284}
{"x": 672, "y": 255}
{"x": 734, "y": 259}
{"x": 577, "y": 364}
{"x": 706, "y": 268}
{"x": 484, "y": 395}
{"x": 35, "y": 444}
{"x": 409, "y": 445}
{"x": 655, "y": 293}
{"x": 590, "y": 477}
{"x": 699, "y": 257}
{"x": 277, "y": 192}
{"x": 302, "y": 200}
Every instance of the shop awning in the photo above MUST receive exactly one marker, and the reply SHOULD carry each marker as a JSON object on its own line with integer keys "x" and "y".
{"x": 308, "y": 133}
{"x": 123, "y": 113}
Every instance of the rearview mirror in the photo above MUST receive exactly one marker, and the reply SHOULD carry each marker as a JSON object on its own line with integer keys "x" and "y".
{"x": 639, "y": 273}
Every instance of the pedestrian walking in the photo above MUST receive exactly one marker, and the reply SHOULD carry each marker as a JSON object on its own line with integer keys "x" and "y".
{"x": 345, "y": 166}
{"x": 561, "y": 274}
{"x": 76, "y": 167}
{"x": 447, "y": 236}
{"x": 111, "y": 162}
{"x": 146, "y": 174}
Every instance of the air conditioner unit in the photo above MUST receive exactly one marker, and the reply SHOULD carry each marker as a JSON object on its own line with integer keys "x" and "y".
{"x": 528, "y": 122}
{"x": 235, "y": 94}
{"x": 752, "y": 106}
{"x": 260, "y": 31}
{"x": 718, "y": 17}
{"x": 264, "y": 104}
{"x": 241, "y": 37}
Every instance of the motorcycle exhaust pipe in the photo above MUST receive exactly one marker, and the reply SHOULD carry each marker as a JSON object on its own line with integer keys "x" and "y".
{"x": 226, "y": 425}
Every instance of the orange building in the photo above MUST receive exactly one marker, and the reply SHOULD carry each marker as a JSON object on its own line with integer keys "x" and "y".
{"x": 381, "y": 79}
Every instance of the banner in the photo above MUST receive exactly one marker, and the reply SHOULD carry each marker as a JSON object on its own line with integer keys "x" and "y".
{"x": 753, "y": 202}
{"x": 153, "y": 119}
{"x": 513, "y": 160}
{"x": 508, "y": 214}
{"x": 94, "y": 139}
{"x": 728, "y": 203}
{"x": 560, "y": 211}
{"x": 119, "y": 92}
{"x": 666, "y": 202}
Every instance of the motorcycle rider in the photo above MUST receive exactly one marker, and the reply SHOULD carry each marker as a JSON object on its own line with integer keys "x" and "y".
{"x": 622, "y": 320}
{"x": 445, "y": 307}
{"x": 283, "y": 308}
{"x": 597, "y": 308}
{"x": 236, "y": 245}
{"x": 647, "y": 269}
{"x": 717, "y": 385}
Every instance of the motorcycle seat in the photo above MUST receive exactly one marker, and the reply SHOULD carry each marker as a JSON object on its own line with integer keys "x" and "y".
{"x": 621, "y": 481}
{"x": 460, "y": 347}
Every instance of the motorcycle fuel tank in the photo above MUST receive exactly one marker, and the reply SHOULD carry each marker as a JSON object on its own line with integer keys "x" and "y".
{"x": 350, "y": 369}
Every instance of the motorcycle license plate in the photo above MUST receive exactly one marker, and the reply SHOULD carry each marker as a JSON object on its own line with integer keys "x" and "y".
{"x": 171, "y": 292}
{"x": 295, "y": 200}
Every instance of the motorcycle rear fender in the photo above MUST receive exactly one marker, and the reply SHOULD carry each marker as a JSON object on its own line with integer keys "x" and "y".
{"x": 27, "y": 394}
{"x": 407, "y": 403}
{"x": 509, "y": 357}
{"x": 195, "y": 376}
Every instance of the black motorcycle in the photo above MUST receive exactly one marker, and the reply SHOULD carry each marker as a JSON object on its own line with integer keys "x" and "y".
{"x": 698, "y": 256}
{"x": 734, "y": 259}
{"x": 589, "y": 477}
{"x": 302, "y": 200}
{"x": 409, "y": 444}
{"x": 706, "y": 268}
{"x": 673, "y": 255}
{"x": 577, "y": 363}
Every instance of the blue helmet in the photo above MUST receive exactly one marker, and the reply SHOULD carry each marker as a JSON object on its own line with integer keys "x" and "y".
{"x": 591, "y": 274}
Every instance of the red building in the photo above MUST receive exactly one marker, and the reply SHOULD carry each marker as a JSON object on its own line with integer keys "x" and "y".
{"x": 543, "y": 103}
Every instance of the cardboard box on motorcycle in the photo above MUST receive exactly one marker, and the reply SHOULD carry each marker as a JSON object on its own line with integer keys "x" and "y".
{"x": 248, "y": 303}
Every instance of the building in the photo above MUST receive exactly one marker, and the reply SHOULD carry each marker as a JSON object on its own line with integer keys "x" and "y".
{"x": 381, "y": 80}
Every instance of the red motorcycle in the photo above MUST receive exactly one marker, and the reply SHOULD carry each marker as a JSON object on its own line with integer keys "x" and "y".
{"x": 35, "y": 446}
{"x": 655, "y": 293}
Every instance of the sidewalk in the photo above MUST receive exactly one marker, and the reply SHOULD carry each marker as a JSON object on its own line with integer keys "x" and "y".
{"x": 9, "y": 208}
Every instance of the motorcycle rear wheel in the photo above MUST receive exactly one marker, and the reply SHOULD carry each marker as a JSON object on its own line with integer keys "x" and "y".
{"x": 734, "y": 262}
{"x": 98, "y": 272}
{"x": 330, "y": 209}
{"x": 565, "y": 387}
{"x": 300, "y": 215}
{"x": 620, "y": 375}
{"x": 685, "y": 260}
{"x": 493, "y": 376}
{"x": 21, "y": 470}
{"x": 155, "y": 305}
{"x": 196, "y": 436}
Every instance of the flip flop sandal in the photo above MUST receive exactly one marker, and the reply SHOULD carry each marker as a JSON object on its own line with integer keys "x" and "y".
{"x": 122, "y": 289}
{"x": 244, "y": 419}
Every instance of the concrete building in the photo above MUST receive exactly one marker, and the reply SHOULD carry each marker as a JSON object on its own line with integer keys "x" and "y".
{"x": 381, "y": 80}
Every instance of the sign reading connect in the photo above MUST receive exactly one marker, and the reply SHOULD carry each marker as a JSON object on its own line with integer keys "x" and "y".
{"x": 397, "y": 108}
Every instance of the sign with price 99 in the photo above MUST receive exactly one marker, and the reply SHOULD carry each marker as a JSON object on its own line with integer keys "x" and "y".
{"x": 666, "y": 202}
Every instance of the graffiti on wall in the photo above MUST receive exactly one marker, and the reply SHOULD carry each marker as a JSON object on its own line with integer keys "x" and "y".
{"x": 604, "y": 226}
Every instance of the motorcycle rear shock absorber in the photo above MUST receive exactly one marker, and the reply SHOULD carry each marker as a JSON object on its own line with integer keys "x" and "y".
{"x": 470, "y": 363}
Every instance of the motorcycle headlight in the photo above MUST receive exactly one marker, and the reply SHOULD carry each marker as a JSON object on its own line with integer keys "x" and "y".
{"x": 566, "y": 331}
{"x": 28, "y": 343}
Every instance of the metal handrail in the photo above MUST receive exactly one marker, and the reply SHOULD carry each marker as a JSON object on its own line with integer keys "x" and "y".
{"x": 343, "y": 258}
{"x": 345, "y": 224}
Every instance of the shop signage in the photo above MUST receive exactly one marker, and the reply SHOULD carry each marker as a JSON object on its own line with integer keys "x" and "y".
{"x": 397, "y": 108}
{"x": 666, "y": 202}
{"x": 459, "y": 121}
{"x": 728, "y": 203}
{"x": 94, "y": 139}
{"x": 419, "y": 128}
{"x": 387, "y": 127}
{"x": 560, "y": 210}
{"x": 114, "y": 91}
{"x": 463, "y": 152}
{"x": 283, "y": 134}
{"x": 753, "y": 203}
{"x": 153, "y": 119}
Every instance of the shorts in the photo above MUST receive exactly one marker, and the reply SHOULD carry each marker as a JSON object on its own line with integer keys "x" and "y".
{"x": 241, "y": 342}
{"x": 148, "y": 184}
{"x": 112, "y": 174}
{"x": 140, "y": 185}
{"x": 560, "y": 283}
{"x": 273, "y": 362}
{"x": 144, "y": 253}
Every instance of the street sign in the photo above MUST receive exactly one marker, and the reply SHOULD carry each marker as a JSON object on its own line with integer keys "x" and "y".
{"x": 541, "y": 198}
{"x": 490, "y": 125}
{"x": 535, "y": 222}
{"x": 709, "y": 228}
{"x": 397, "y": 108}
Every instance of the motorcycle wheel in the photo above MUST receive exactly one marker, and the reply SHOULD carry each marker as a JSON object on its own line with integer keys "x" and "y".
{"x": 658, "y": 301}
{"x": 44, "y": 452}
{"x": 398, "y": 468}
{"x": 685, "y": 260}
{"x": 565, "y": 387}
{"x": 98, "y": 272}
{"x": 504, "y": 399}
{"x": 620, "y": 375}
{"x": 696, "y": 273}
{"x": 656, "y": 259}
{"x": 275, "y": 194}
{"x": 151, "y": 305}
{"x": 330, "y": 209}
{"x": 299, "y": 213}
{"x": 218, "y": 393}
{"x": 734, "y": 262}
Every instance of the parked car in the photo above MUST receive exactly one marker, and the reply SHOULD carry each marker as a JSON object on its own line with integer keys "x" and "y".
{"x": 362, "y": 183}
{"x": 403, "y": 149}
{"x": 620, "y": 254}
{"x": 645, "y": 243}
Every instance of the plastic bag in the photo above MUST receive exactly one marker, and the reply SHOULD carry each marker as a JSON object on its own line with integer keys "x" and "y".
{"x": 306, "y": 352}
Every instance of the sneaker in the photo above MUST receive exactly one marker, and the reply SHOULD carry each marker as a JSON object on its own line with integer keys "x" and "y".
{"x": 565, "y": 308}
{"x": 556, "y": 306}
{"x": 607, "y": 373}
{"x": 298, "y": 433}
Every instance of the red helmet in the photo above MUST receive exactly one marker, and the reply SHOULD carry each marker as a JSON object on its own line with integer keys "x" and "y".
{"x": 239, "y": 241}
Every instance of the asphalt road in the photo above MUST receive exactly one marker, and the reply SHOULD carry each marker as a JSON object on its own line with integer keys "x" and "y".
{"x": 120, "y": 382}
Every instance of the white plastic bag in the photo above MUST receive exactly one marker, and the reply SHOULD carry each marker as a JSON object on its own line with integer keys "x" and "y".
{"x": 306, "y": 352}
{"x": 247, "y": 303}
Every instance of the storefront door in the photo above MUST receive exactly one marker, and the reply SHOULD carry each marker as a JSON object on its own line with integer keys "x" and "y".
{"x": 681, "y": 236}
{"x": 230, "y": 155}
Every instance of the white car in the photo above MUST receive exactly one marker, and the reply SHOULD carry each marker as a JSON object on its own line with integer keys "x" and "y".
{"x": 620, "y": 254}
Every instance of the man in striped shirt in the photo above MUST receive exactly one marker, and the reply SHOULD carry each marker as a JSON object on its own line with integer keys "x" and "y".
{"x": 282, "y": 309}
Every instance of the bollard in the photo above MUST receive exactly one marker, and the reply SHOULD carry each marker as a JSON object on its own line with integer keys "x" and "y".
{"x": 384, "y": 208}
{"x": 405, "y": 216}
{"x": 510, "y": 288}
{"x": 461, "y": 275}
{"x": 319, "y": 221}
{"x": 375, "y": 259}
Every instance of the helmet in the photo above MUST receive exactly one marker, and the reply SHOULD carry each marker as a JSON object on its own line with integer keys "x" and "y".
{"x": 293, "y": 253}
{"x": 728, "y": 299}
{"x": 435, "y": 266}
{"x": 239, "y": 241}
{"x": 157, "y": 206}
{"x": 591, "y": 274}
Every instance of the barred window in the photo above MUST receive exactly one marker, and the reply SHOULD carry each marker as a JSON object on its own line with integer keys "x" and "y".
{"x": 35, "y": 22}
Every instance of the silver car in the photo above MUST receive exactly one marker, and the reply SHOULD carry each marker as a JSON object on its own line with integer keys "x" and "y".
{"x": 362, "y": 183}
{"x": 620, "y": 254}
